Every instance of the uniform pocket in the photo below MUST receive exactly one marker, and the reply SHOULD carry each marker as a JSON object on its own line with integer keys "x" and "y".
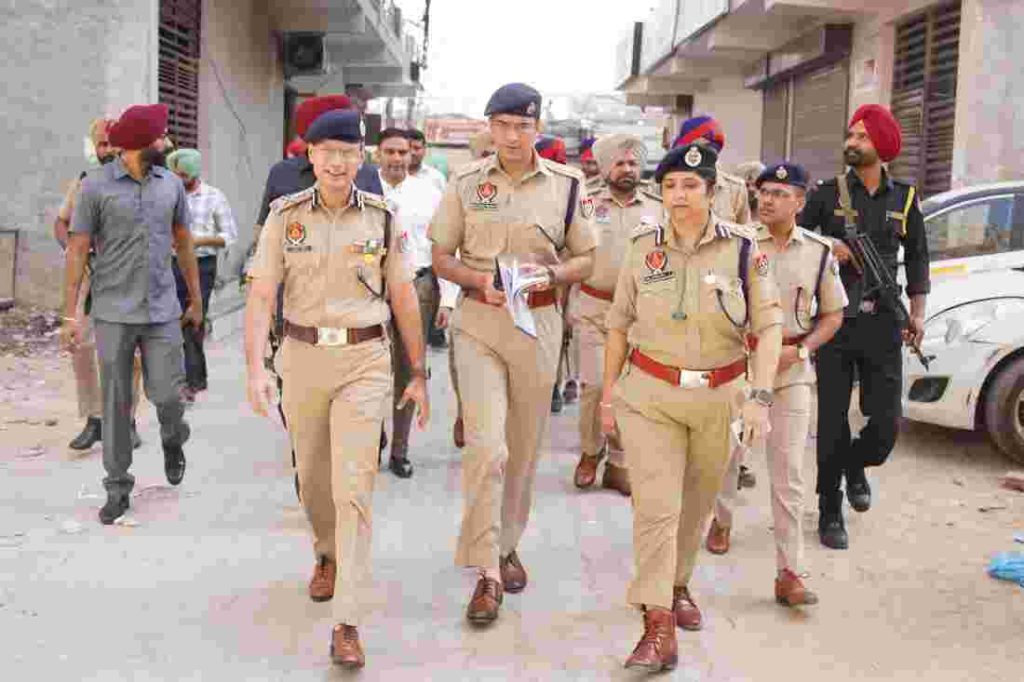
{"x": 484, "y": 239}
{"x": 723, "y": 298}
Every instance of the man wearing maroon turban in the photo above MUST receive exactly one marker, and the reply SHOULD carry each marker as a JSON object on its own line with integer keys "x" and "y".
{"x": 868, "y": 200}
{"x": 133, "y": 212}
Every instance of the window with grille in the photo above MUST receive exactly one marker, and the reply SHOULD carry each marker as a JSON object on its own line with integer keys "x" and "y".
{"x": 179, "y": 68}
{"x": 924, "y": 96}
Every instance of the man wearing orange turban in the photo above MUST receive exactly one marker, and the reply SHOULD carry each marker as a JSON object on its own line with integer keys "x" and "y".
{"x": 868, "y": 200}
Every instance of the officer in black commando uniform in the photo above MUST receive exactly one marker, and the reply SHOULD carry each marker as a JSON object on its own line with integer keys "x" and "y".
{"x": 868, "y": 345}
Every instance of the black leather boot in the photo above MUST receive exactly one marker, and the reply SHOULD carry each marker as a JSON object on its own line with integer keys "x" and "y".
{"x": 91, "y": 434}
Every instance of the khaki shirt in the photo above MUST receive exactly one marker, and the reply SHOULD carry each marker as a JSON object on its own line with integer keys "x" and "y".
{"x": 731, "y": 199}
{"x": 808, "y": 278}
{"x": 67, "y": 207}
{"x": 330, "y": 259}
{"x": 594, "y": 184}
{"x": 615, "y": 223}
{"x": 688, "y": 308}
{"x": 485, "y": 213}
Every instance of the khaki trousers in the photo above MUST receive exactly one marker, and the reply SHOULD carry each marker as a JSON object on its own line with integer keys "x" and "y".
{"x": 334, "y": 399}
{"x": 592, "y": 336}
{"x": 506, "y": 382}
{"x": 677, "y": 448}
{"x": 790, "y": 418}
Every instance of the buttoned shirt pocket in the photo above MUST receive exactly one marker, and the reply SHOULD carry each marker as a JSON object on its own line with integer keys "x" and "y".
{"x": 655, "y": 300}
{"x": 485, "y": 237}
{"x": 543, "y": 242}
{"x": 722, "y": 300}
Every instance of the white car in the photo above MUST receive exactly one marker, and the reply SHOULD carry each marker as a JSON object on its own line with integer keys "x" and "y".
{"x": 974, "y": 331}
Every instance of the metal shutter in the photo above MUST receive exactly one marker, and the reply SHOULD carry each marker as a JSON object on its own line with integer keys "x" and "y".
{"x": 775, "y": 122}
{"x": 819, "y": 120}
{"x": 179, "y": 69}
{"x": 924, "y": 96}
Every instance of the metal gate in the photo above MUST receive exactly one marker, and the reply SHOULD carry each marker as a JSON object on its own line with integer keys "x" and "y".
{"x": 179, "y": 68}
{"x": 924, "y": 96}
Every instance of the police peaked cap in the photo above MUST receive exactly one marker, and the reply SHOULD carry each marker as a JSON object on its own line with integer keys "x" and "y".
{"x": 785, "y": 173}
{"x": 695, "y": 158}
{"x": 339, "y": 124}
{"x": 517, "y": 99}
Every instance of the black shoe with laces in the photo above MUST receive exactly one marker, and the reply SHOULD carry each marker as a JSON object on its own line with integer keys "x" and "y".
{"x": 858, "y": 492}
{"x": 832, "y": 530}
{"x": 114, "y": 509}
{"x": 174, "y": 458}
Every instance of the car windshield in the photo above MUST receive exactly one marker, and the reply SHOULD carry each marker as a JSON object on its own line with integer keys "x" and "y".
{"x": 977, "y": 227}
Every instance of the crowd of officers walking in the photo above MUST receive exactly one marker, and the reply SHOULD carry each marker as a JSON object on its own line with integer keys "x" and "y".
{"x": 705, "y": 319}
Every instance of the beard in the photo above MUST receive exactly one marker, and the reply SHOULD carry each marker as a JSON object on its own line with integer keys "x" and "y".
{"x": 857, "y": 158}
{"x": 105, "y": 159}
{"x": 154, "y": 157}
{"x": 627, "y": 183}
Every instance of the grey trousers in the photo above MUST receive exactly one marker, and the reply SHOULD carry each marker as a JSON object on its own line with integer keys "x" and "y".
{"x": 163, "y": 373}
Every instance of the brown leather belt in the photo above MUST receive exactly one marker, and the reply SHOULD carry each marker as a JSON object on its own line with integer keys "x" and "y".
{"x": 597, "y": 293}
{"x": 786, "y": 341}
{"x": 535, "y": 299}
{"x": 686, "y": 378}
{"x": 332, "y": 336}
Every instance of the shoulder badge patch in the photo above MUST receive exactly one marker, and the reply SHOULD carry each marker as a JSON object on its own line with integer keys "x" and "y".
{"x": 761, "y": 263}
{"x": 587, "y": 207}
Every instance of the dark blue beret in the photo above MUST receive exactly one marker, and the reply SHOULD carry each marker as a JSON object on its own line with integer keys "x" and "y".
{"x": 337, "y": 124}
{"x": 517, "y": 99}
{"x": 786, "y": 173}
{"x": 699, "y": 159}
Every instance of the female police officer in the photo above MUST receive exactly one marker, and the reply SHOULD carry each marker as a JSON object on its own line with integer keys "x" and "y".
{"x": 689, "y": 292}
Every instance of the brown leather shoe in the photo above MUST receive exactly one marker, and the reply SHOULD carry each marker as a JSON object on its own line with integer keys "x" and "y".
{"x": 616, "y": 478}
{"x": 586, "y": 470}
{"x": 688, "y": 616}
{"x": 459, "y": 434}
{"x": 345, "y": 648}
{"x": 321, "y": 585}
{"x": 483, "y": 607}
{"x": 718, "y": 538}
{"x": 790, "y": 590}
{"x": 513, "y": 575}
{"x": 657, "y": 649}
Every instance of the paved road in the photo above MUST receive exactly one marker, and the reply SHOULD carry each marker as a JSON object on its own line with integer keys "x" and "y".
{"x": 210, "y": 583}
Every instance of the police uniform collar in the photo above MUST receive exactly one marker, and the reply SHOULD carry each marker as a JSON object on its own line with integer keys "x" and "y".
{"x": 764, "y": 234}
{"x": 606, "y": 193}
{"x": 493, "y": 163}
{"x": 711, "y": 232}
{"x": 355, "y": 197}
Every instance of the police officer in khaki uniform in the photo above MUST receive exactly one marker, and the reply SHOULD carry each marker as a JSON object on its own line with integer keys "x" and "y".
{"x": 619, "y": 206}
{"x": 519, "y": 204}
{"x": 334, "y": 248}
{"x": 813, "y": 299}
{"x": 689, "y": 292}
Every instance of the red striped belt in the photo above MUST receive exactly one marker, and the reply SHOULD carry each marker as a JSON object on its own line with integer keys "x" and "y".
{"x": 686, "y": 378}
{"x": 535, "y": 299}
{"x": 786, "y": 341}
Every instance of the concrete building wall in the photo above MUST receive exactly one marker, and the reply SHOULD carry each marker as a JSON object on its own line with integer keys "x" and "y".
{"x": 739, "y": 110}
{"x": 241, "y": 108}
{"x": 990, "y": 93}
{"x": 64, "y": 63}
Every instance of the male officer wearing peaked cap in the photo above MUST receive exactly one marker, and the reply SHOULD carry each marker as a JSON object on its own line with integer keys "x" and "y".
{"x": 806, "y": 274}
{"x": 333, "y": 247}
{"x": 868, "y": 200}
{"x": 512, "y": 203}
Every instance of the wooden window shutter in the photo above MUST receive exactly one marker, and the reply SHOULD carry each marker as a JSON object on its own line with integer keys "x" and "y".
{"x": 924, "y": 96}
{"x": 179, "y": 68}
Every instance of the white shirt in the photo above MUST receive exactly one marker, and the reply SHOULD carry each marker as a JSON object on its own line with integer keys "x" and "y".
{"x": 210, "y": 216}
{"x": 430, "y": 173}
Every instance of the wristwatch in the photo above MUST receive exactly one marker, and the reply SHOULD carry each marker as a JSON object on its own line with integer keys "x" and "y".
{"x": 802, "y": 351}
{"x": 762, "y": 397}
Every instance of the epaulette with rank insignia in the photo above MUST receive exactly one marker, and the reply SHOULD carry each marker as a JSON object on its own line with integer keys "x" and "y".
{"x": 814, "y": 236}
{"x": 726, "y": 229}
{"x": 377, "y": 201}
{"x": 470, "y": 168}
{"x": 562, "y": 169}
{"x": 287, "y": 201}
{"x": 649, "y": 194}
{"x": 645, "y": 227}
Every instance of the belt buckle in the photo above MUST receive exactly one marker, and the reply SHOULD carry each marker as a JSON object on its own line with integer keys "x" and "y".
{"x": 331, "y": 336}
{"x": 691, "y": 379}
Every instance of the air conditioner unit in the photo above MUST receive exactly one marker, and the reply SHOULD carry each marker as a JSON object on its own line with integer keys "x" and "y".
{"x": 305, "y": 54}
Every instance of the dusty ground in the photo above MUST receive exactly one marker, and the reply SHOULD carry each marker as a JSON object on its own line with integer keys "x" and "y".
{"x": 209, "y": 581}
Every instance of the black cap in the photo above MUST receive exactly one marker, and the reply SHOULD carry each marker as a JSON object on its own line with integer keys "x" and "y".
{"x": 517, "y": 99}
{"x": 338, "y": 124}
{"x": 786, "y": 173}
{"x": 696, "y": 158}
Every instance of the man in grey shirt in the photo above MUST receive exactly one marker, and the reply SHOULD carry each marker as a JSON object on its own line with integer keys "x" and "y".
{"x": 133, "y": 212}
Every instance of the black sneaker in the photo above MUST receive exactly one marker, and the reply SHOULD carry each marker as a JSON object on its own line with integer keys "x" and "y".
{"x": 114, "y": 509}
{"x": 91, "y": 434}
{"x": 174, "y": 458}
{"x": 832, "y": 530}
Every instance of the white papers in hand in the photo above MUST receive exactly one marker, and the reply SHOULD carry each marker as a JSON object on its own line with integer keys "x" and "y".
{"x": 517, "y": 281}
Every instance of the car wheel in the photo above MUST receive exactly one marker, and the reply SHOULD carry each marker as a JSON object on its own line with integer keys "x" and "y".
{"x": 1004, "y": 410}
